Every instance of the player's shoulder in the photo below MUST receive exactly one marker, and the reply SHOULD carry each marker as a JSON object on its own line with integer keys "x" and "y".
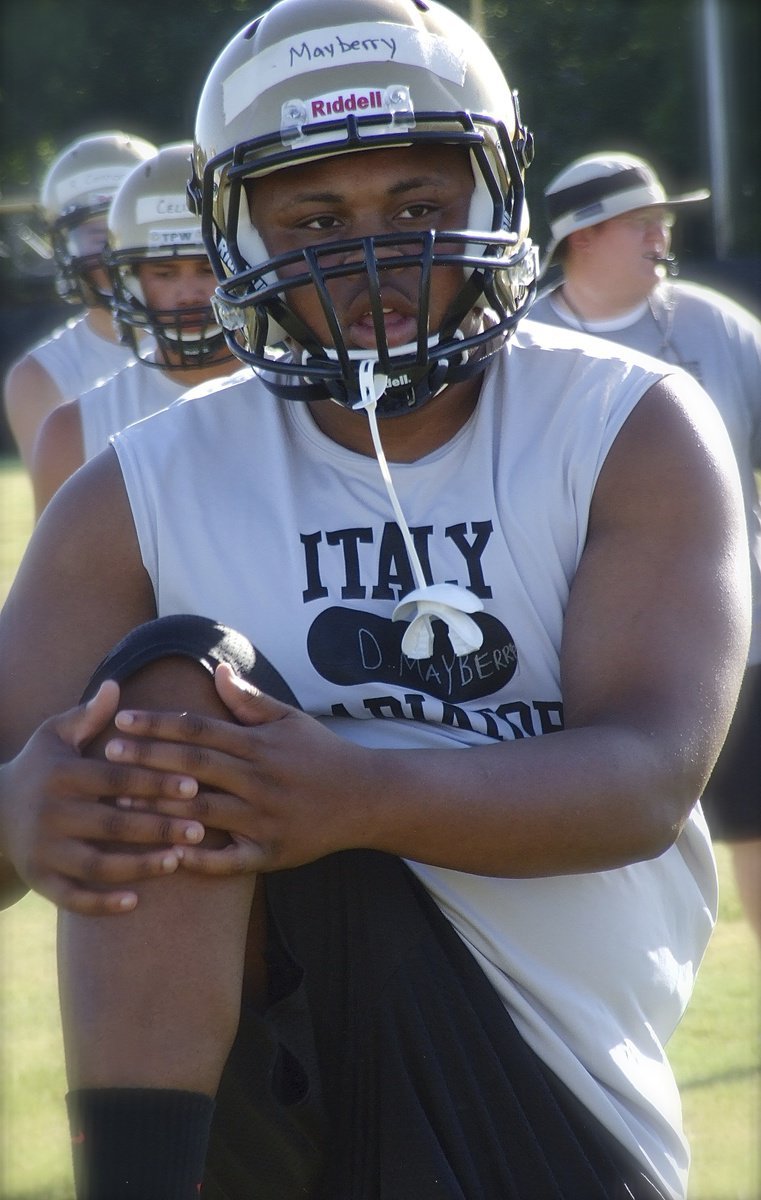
{"x": 72, "y": 329}
{"x": 199, "y": 409}
{"x": 533, "y": 333}
{"x": 32, "y": 365}
{"x": 544, "y": 342}
{"x": 61, "y": 429}
{"x": 28, "y": 379}
{"x": 573, "y": 376}
{"x": 109, "y": 384}
{"x": 222, "y": 383}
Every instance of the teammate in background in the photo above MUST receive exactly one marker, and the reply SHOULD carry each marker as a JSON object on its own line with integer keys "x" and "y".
{"x": 611, "y": 224}
{"x": 162, "y": 282}
{"x": 496, "y": 578}
{"x": 75, "y": 196}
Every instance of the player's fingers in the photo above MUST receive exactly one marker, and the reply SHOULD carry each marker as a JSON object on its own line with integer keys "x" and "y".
{"x": 247, "y": 704}
{"x": 75, "y": 899}
{"x": 80, "y": 725}
{"x": 69, "y": 818}
{"x": 199, "y": 734}
{"x": 218, "y": 769}
{"x": 216, "y": 810}
{"x": 88, "y": 881}
{"x": 123, "y": 823}
{"x": 85, "y": 864}
{"x": 98, "y": 777}
{"x": 239, "y": 858}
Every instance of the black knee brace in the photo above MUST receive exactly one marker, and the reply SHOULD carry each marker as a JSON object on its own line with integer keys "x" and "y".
{"x": 188, "y": 636}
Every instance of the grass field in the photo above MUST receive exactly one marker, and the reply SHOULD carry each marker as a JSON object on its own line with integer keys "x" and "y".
{"x": 716, "y": 1051}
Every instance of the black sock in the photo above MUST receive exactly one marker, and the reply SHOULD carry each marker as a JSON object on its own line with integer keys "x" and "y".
{"x": 138, "y": 1143}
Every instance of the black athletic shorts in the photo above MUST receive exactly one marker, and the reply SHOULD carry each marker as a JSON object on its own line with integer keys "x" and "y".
{"x": 732, "y": 799}
{"x": 388, "y": 1068}
{"x": 385, "y": 1065}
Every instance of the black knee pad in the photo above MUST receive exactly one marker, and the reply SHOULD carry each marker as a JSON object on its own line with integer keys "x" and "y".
{"x": 188, "y": 636}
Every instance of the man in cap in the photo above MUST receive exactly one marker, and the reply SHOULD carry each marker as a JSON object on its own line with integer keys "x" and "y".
{"x": 611, "y": 221}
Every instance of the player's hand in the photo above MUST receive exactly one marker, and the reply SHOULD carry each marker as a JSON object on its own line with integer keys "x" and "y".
{"x": 285, "y": 789}
{"x": 61, "y": 834}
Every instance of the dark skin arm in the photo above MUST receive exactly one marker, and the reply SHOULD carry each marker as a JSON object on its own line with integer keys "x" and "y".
{"x": 58, "y": 452}
{"x": 30, "y": 395}
{"x": 654, "y": 647}
{"x": 152, "y": 1000}
{"x": 57, "y": 624}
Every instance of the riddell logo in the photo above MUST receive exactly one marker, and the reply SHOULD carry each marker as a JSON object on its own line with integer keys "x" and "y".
{"x": 327, "y": 106}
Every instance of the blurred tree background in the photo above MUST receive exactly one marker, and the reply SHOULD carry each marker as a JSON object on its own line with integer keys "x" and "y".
{"x": 592, "y": 74}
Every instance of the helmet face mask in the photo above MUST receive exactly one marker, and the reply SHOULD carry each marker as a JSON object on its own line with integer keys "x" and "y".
{"x": 76, "y": 194}
{"x": 440, "y": 89}
{"x": 79, "y": 242}
{"x": 151, "y": 229}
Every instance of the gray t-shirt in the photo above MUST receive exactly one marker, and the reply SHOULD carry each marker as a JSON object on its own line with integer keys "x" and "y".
{"x": 718, "y": 342}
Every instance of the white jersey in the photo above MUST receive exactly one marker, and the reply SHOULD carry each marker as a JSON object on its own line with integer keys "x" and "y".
{"x": 77, "y": 359}
{"x": 246, "y": 512}
{"x": 719, "y": 343}
{"x": 136, "y": 392}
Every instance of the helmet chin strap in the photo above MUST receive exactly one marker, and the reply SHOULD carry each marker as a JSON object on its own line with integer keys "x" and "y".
{"x": 447, "y": 601}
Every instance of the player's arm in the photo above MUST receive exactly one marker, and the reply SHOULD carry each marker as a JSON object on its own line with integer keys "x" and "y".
{"x": 655, "y": 642}
{"x": 58, "y": 452}
{"x": 80, "y": 587}
{"x": 30, "y": 394}
{"x": 179, "y": 953}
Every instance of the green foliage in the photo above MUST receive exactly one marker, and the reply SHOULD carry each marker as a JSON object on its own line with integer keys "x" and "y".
{"x": 80, "y": 66}
{"x": 630, "y": 75}
{"x": 591, "y": 73}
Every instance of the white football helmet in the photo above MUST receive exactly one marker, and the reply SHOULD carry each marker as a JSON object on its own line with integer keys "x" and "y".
{"x": 76, "y": 192}
{"x": 314, "y": 78}
{"x": 149, "y": 220}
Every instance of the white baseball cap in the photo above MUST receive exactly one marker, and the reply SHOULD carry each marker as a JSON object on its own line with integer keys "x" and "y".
{"x": 600, "y": 186}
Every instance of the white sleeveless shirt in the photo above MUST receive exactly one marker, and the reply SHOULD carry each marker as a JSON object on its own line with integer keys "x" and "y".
{"x": 247, "y": 513}
{"x": 77, "y": 359}
{"x": 137, "y": 391}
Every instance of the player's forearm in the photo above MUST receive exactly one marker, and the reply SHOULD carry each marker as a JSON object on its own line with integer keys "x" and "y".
{"x": 578, "y": 800}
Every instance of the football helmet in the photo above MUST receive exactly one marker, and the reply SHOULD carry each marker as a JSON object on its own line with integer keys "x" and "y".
{"x": 149, "y": 221}
{"x": 315, "y": 78}
{"x": 74, "y": 199}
